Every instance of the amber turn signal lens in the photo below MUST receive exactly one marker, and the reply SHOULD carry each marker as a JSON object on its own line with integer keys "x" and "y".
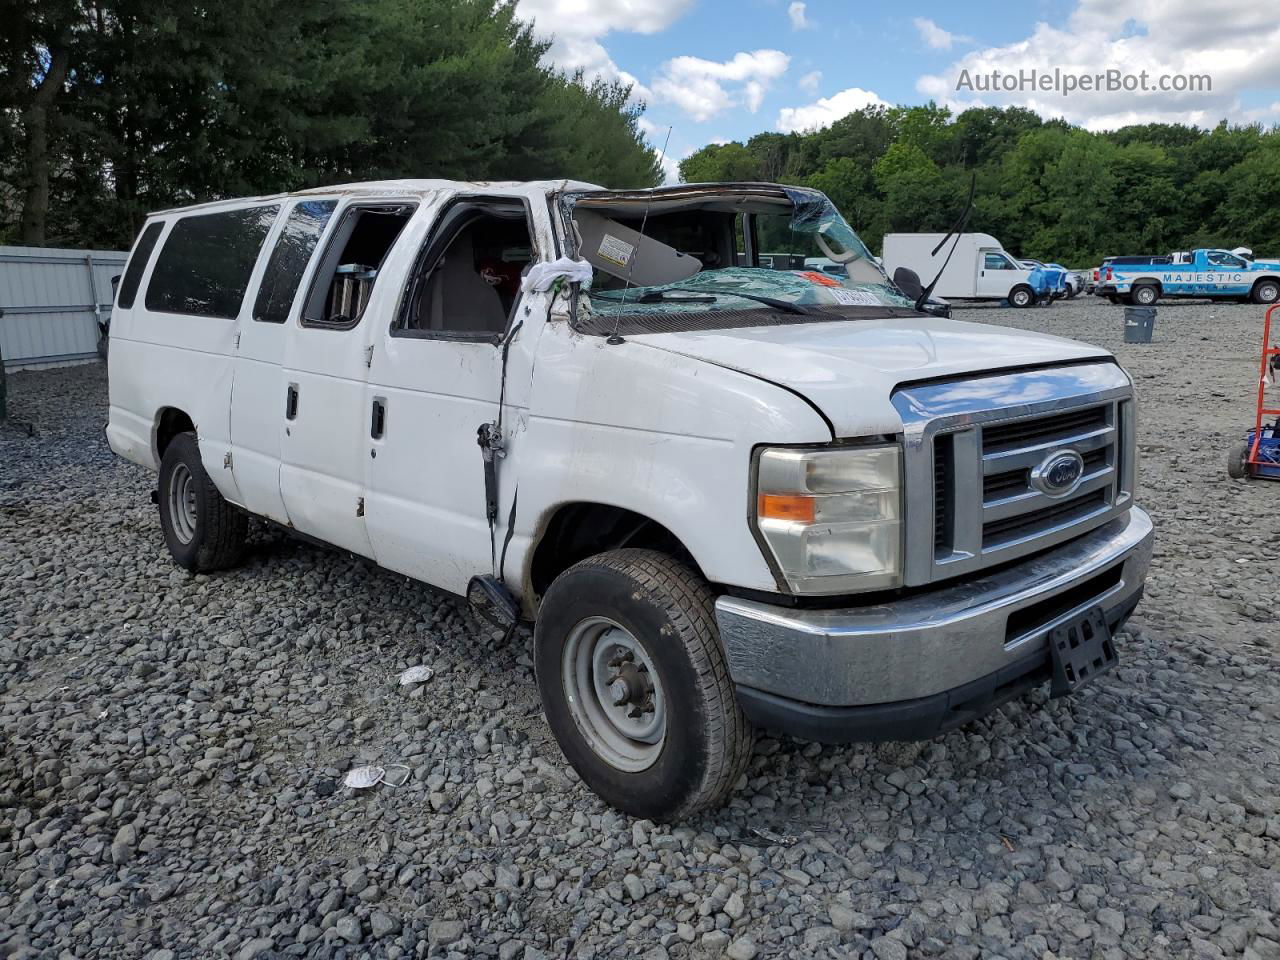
{"x": 780, "y": 506}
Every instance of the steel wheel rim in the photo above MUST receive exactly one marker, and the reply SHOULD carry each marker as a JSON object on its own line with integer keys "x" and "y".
{"x": 1020, "y": 298}
{"x": 1146, "y": 298}
{"x": 1270, "y": 292}
{"x": 182, "y": 503}
{"x": 598, "y": 654}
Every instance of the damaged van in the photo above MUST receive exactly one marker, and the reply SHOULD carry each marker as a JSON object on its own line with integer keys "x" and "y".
{"x": 726, "y": 496}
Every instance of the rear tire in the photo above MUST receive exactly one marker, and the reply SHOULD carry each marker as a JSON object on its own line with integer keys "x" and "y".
{"x": 201, "y": 529}
{"x": 1237, "y": 461}
{"x": 640, "y": 626}
{"x": 1266, "y": 291}
{"x": 1021, "y": 297}
{"x": 1146, "y": 295}
{"x": 1112, "y": 298}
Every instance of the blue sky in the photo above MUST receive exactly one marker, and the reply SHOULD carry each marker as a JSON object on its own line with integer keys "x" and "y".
{"x": 715, "y": 70}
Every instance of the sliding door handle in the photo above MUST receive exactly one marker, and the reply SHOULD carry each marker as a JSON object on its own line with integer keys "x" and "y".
{"x": 291, "y": 402}
{"x": 378, "y": 421}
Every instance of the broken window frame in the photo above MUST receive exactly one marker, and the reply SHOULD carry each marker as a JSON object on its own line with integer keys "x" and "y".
{"x": 342, "y": 223}
{"x": 453, "y": 218}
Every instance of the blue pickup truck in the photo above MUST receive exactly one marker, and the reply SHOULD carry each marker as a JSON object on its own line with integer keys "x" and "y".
{"x": 1211, "y": 274}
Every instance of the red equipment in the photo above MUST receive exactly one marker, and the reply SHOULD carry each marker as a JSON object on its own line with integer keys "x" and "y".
{"x": 1259, "y": 454}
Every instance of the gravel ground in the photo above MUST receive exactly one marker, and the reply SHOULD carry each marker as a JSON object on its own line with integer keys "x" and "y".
{"x": 174, "y": 746}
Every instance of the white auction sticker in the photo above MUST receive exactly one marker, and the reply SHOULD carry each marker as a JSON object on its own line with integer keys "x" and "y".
{"x": 615, "y": 250}
{"x": 854, "y": 297}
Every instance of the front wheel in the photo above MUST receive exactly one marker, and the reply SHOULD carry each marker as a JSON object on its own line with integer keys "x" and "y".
{"x": 1266, "y": 291}
{"x": 201, "y": 529}
{"x": 1238, "y": 461}
{"x": 1021, "y": 297}
{"x": 635, "y": 685}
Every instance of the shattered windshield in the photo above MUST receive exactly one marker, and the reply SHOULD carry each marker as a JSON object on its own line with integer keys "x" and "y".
{"x": 761, "y": 254}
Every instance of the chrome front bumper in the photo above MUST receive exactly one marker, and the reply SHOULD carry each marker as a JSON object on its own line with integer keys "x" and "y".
{"x": 929, "y": 644}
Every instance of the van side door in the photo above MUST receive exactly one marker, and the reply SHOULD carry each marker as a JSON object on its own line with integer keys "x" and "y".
{"x": 259, "y": 378}
{"x": 319, "y": 406}
{"x": 437, "y": 375}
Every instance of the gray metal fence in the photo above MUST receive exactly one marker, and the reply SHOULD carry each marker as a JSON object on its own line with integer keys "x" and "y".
{"x": 52, "y": 301}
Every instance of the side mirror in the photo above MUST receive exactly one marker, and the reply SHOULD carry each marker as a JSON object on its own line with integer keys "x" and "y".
{"x": 908, "y": 281}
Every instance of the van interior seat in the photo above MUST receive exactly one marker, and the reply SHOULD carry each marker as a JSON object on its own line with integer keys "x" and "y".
{"x": 460, "y": 298}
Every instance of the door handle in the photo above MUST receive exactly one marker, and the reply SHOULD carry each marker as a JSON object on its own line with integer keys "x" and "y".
{"x": 378, "y": 422}
{"x": 291, "y": 402}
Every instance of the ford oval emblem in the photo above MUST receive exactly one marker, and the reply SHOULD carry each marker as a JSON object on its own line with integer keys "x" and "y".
{"x": 1059, "y": 473}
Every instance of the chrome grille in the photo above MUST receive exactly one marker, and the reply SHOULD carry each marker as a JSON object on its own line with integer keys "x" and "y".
{"x": 971, "y": 447}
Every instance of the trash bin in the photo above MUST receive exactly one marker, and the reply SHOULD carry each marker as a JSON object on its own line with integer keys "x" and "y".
{"x": 1139, "y": 323}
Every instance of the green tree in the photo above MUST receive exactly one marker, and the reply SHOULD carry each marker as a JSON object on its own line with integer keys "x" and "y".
{"x": 720, "y": 161}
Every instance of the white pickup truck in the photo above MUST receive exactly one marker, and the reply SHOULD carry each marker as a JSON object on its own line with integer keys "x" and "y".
{"x": 725, "y": 496}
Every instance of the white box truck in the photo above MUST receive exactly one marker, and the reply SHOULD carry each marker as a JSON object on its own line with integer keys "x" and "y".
{"x": 980, "y": 269}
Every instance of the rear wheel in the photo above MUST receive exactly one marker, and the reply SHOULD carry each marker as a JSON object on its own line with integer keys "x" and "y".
{"x": 1266, "y": 291}
{"x": 1146, "y": 295}
{"x": 1238, "y": 461}
{"x": 1021, "y": 297}
{"x": 201, "y": 529}
{"x": 1113, "y": 298}
{"x": 636, "y": 687}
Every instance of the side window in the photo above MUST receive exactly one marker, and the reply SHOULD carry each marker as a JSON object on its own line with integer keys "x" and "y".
{"x": 289, "y": 259}
{"x": 345, "y": 277}
{"x": 996, "y": 261}
{"x": 467, "y": 279}
{"x": 204, "y": 266}
{"x": 1226, "y": 261}
{"x": 138, "y": 264}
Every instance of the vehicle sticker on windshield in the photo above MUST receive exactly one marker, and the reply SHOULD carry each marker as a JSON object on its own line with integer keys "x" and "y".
{"x": 855, "y": 297}
{"x": 615, "y": 250}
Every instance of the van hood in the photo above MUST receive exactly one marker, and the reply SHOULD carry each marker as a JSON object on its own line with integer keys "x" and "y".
{"x": 849, "y": 369}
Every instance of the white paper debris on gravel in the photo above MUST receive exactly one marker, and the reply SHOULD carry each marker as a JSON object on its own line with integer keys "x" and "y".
{"x": 416, "y": 675}
{"x": 362, "y": 778}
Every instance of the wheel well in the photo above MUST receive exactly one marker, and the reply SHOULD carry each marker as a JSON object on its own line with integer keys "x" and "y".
{"x": 170, "y": 423}
{"x": 580, "y": 530}
{"x": 1146, "y": 282}
{"x": 1261, "y": 280}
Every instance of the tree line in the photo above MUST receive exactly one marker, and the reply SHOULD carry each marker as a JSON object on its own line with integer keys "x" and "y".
{"x": 1045, "y": 189}
{"x": 113, "y": 108}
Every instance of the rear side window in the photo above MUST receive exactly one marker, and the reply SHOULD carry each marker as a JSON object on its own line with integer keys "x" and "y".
{"x": 289, "y": 259}
{"x": 138, "y": 264}
{"x": 204, "y": 266}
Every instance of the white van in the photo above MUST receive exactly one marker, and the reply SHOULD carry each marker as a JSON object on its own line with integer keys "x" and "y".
{"x": 726, "y": 496}
{"x": 980, "y": 269}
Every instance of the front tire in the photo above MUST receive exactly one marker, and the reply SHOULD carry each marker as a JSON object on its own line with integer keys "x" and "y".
{"x": 1238, "y": 461}
{"x": 1266, "y": 291}
{"x": 201, "y": 529}
{"x": 1021, "y": 297}
{"x": 635, "y": 684}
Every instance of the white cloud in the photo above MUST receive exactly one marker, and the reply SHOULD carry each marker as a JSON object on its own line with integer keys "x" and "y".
{"x": 705, "y": 88}
{"x": 809, "y": 82}
{"x": 934, "y": 36}
{"x": 578, "y": 26}
{"x": 797, "y": 14}
{"x": 1237, "y": 46}
{"x": 824, "y": 112}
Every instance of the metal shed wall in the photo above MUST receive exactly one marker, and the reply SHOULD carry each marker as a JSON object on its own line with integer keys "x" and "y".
{"x": 52, "y": 300}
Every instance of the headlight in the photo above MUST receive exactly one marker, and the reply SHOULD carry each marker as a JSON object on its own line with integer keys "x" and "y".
{"x": 832, "y": 518}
